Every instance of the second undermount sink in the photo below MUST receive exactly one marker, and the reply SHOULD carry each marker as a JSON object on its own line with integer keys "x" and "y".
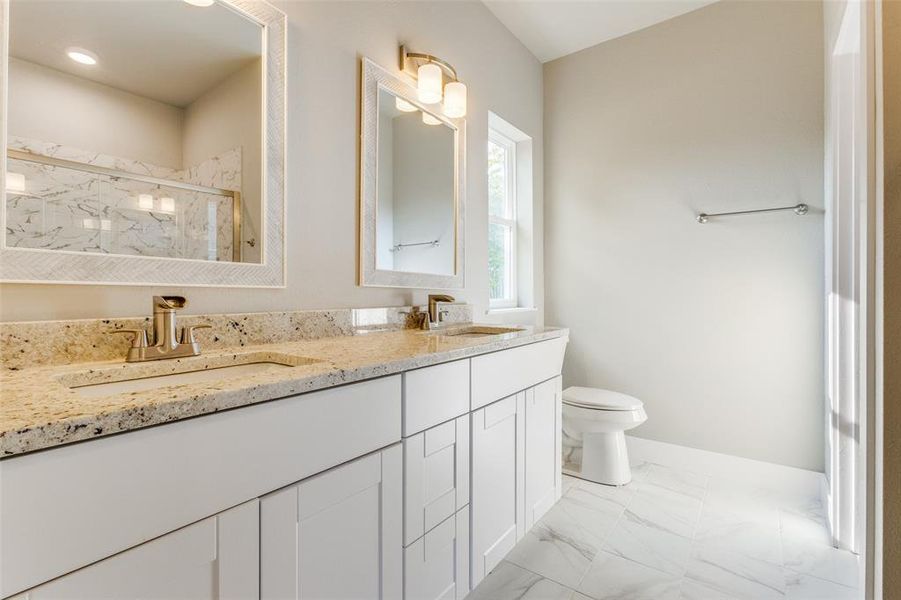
{"x": 140, "y": 377}
{"x": 475, "y": 331}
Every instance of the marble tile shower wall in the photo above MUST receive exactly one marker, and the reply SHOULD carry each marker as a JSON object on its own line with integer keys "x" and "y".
{"x": 36, "y": 343}
{"x": 68, "y": 209}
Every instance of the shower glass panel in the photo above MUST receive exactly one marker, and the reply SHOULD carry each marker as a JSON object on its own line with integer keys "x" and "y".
{"x": 52, "y": 207}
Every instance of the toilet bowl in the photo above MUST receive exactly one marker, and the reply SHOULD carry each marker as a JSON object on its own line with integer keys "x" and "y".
{"x": 594, "y": 422}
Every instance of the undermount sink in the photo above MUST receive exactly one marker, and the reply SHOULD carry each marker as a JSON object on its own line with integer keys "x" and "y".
{"x": 140, "y": 377}
{"x": 475, "y": 331}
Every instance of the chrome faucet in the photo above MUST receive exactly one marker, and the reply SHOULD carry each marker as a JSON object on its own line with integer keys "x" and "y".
{"x": 165, "y": 343}
{"x": 435, "y": 314}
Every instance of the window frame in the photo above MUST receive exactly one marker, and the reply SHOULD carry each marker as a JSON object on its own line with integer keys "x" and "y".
{"x": 511, "y": 298}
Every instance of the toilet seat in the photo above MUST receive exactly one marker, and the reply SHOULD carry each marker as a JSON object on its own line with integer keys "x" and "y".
{"x": 598, "y": 399}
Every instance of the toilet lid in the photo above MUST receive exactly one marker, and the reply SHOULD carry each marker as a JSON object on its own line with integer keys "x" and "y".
{"x": 596, "y": 398}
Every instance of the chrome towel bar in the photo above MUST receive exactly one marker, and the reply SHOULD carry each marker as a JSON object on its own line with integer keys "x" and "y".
{"x": 799, "y": 209}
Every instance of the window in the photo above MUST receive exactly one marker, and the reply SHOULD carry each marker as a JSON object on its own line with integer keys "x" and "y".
{"x": 501, "y": 221}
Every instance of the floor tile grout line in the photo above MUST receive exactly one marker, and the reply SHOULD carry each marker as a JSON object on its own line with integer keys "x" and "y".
{"x": 829, "y": 581}
{"x": 551, "y": 579}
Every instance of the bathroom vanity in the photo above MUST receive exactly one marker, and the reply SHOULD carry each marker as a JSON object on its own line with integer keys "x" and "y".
{"x": 400, "y": 464}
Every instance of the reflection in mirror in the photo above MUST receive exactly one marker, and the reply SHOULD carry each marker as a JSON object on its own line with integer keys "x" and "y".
{"x": 135, "y": 128}
{"x": 415, "y": 214}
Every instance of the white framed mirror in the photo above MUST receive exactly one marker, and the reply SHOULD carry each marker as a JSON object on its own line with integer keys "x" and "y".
{"x": 412, "y": 183}
{"x": 143, "y": 142}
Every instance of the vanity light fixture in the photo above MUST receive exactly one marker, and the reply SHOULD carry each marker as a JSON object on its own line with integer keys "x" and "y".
{"x": 404, "y": 106}
{"x": 430, "y": 88}
{"x": 15, "y": 183}
{"x": 167, "y": 205}
{"x": 200, "y": 3}
{"x": 145, "y": 201}
{"x": 82, "y": 56}
{"x": 430, "y": 119}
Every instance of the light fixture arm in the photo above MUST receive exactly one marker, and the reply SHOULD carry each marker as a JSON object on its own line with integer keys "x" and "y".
{"x": 406, "y": 56}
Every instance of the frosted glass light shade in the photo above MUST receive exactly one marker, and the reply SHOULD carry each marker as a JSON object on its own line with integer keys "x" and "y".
{"x": 404, "y": 106}
{"x": 455, "y": 100}
{"x": 145, "y": 201}
{"x": 428, "y": 87}
{"x": 430, "y": 119}
{"x": 167, "y": 205}
{"x": 15, "y": 183}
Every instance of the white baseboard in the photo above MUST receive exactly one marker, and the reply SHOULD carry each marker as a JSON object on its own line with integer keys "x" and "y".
{"x": 755, "y": 473}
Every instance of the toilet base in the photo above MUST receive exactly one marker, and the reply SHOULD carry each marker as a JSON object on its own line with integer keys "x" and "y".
{"x": 605, "y": 459}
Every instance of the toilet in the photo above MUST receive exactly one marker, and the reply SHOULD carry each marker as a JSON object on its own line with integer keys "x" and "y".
{"x": 594, "y": 422}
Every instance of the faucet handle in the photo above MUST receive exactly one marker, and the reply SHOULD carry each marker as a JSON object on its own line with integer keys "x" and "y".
{"x": 187, "y": 333}
{"x": 140, "y": 336}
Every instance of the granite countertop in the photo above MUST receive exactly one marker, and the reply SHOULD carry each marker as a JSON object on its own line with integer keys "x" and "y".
{"x": 40, "y": 410}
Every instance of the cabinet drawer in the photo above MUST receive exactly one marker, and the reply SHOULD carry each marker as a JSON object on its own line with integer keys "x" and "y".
{"x": 436, "y": 476}
{"x": 434, "y": 395}
{"x": 70, "y": 506}
{"x": 436, "y": 566}
{"x": 501, "y": 374}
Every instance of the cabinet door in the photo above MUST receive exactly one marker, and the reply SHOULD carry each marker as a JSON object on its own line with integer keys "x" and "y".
{"x": 436, "y": 566}
{"x": 497, "y": 482}
{"x": 542, "y": 461}
{"x": 214, "y": 558}
{"x": 336, "y": 535}
{"x": 436, "y": 476}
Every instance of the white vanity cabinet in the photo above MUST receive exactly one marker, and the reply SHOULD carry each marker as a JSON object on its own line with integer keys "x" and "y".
{"x": 335, "y": 535}
{"x": 411, "y": 486}
{"x": 543, "y": 459}
{"x": 436, "y": 482}
{"x": 515, "y": 470}
{"x": 216, "y": 558}
{"x": 497, "y": 482}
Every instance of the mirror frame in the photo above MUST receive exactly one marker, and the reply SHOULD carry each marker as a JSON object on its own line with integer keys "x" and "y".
{"x": 375, "y": 78}
{"x": 35, "y": 265}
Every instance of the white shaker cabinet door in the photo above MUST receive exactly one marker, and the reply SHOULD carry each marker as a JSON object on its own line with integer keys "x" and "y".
{"x": 337, "y": 534}
{"x": 542, "y": 445}
{"x": 497, "y": 482}
{"x": 217, "y": 557}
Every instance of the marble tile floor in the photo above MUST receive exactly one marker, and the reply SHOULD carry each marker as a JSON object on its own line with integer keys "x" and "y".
{"x": 675, "y": 535}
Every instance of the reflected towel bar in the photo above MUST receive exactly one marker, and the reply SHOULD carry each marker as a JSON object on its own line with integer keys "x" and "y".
{"x": 799, "y": 209}
{"x": 399, "y": 247}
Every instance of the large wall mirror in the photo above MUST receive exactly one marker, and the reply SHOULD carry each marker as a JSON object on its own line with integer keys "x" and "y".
{"x": 144, "y": 142}
{"x": 411, "y": 188}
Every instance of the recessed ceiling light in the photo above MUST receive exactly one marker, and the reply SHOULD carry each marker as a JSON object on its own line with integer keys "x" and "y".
{"x": 80, "y": 55}
{"x": 202, "y": 3}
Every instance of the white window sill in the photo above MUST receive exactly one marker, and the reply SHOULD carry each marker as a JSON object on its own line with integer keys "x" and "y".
{"x": 513, "y": 310}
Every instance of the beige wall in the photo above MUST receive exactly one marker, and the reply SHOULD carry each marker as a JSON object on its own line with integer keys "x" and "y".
{"x": 325, "y": 43}
{"x": 225, "y": 117}
{"x": 891, "y": 535}
{"x": 49, "y": 105}
{"x": 716, "y": 327}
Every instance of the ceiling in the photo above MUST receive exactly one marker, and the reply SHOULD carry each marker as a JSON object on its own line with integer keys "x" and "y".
{"x": 165, "y": 50}
{"x": 554, "y": 28}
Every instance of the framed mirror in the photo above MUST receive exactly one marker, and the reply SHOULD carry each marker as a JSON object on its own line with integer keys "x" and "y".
{"x": 143, "y": 141}
{"x": 412, "y": 182}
